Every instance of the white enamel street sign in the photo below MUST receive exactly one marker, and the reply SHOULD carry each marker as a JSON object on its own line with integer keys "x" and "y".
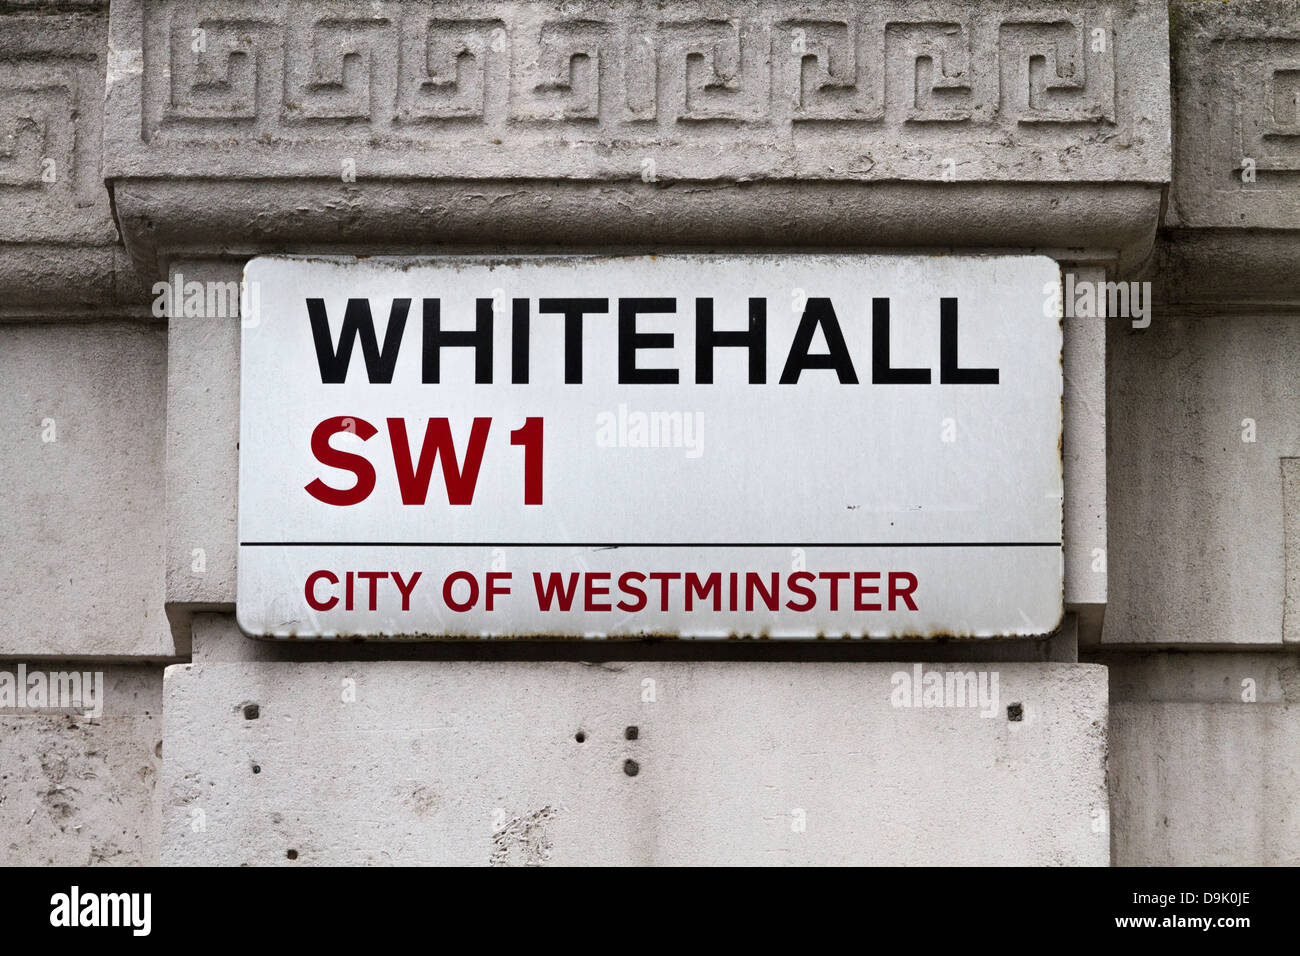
{"x": 788, "y": 446}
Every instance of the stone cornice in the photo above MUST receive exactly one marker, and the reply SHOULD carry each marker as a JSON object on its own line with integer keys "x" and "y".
{"x": 536, "y": 124}
{"x": 1237, "y": 94}
{"x": 59, "y": 246}
{"x": 835, "y": 115}
{"x": 1232, "y": 236}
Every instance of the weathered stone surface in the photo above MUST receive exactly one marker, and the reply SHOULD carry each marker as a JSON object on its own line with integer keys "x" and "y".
{"x": 1204, "y": 757}
{"x": 202, "y": 454}
{"x": 1202, "y": 410}
{"x": 81, "y": 420}
{"x": 81, "y": 791}
{"x": 526, "y": 763}
{"x": 1083, "y": 455}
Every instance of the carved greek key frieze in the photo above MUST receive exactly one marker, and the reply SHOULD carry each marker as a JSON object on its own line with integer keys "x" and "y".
{"x": 1237, "y": 97}
{"x": 667, "y": 89}
{"x": 1058, "y": 70}
{"x": 26, "y": 117}
{"x": 332, "y": 68}
{"x": 557, "y": 70}
{"x": 213, "y": 68}
{"x": 48, "y": 166}
{"x": 833, "y": 70}
{"x": 283, "y": 66}
{"x": 1266, "y": 121}
{"x": 938, "y": 70}
{"x": 444, "y": 68}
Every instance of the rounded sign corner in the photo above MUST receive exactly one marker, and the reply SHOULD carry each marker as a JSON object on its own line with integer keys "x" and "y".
{"x": 249, "y": 631}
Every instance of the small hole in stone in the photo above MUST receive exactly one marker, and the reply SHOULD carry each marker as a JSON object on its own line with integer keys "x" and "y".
{"x": 1015, "y": 712}
{"x": 631, "y": 768}
{"x": 631, "y": 733}
{"x": 580, "y": 737}
{"x": 251, "y": 712}
{"x": 256, "y": 769}
{"x": 292, "y": 854}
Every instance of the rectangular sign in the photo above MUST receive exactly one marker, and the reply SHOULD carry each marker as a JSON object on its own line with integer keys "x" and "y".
{"x": 790, "y": 446}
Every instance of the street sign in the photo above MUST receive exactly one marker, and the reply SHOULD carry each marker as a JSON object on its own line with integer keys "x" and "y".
{"x": 784, "y": 446}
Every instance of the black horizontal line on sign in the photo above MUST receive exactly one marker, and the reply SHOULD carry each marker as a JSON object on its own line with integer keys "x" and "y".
{"x": 649, "y": 544}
